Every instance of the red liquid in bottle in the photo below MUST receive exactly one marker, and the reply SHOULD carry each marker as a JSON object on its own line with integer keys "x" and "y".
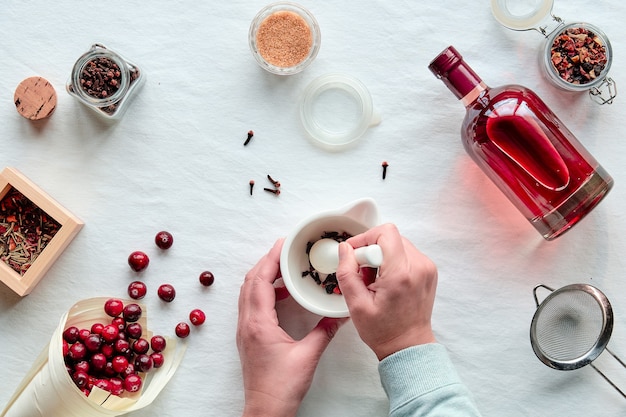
{"x": 525, "y": 150}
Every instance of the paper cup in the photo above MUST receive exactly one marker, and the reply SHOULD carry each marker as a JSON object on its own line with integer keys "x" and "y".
{"x": 48, "y": 390}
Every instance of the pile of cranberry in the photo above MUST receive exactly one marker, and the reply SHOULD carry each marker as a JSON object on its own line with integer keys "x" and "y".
{"x": 115, "y": 356}
{"x": 112, "y": 356}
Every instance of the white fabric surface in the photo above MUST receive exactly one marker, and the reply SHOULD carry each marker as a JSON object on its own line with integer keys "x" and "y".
{"x": 175, "y": 161}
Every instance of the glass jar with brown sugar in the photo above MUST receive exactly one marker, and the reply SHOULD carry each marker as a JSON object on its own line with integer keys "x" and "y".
{"x": 284, "y": 38}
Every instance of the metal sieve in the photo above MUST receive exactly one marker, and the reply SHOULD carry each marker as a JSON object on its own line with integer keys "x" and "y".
{"x": 571, "y": 328}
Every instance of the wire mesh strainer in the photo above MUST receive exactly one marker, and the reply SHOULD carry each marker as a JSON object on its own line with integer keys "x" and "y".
{"x": 571, "y": 328}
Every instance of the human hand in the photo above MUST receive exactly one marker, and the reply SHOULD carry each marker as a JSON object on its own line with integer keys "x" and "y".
{"x": 277, "y": 370}
{"x": 393, "y": 312}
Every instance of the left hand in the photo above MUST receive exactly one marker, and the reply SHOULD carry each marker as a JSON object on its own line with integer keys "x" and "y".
{"x": 277, "y": 370}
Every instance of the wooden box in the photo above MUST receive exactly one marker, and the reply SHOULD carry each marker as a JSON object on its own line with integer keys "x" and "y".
{"x": 22, "y": 279}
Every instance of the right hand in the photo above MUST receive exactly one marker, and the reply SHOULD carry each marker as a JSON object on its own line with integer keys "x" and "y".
{"x": 393, "y": 312}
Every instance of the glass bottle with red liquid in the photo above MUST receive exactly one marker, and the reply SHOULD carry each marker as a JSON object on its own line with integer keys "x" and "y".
{"x": 524, "y": 149}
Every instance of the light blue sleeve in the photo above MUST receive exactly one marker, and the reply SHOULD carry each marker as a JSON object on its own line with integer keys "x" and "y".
{"x": 422, "y": 381}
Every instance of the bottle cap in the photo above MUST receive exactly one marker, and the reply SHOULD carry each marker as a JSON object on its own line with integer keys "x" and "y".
{"x": 460, "y": 79}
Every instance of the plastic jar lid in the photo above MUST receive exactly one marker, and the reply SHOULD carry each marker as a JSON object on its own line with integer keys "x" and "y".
{"x": 336, "y": 110}
{"x": 521, "y": 15}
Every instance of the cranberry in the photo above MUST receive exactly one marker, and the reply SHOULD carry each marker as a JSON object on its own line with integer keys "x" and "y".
{"x": 77, "y": 352}
{"x": 83, "y": 334}
{"x": 119, "y": 322}
{"x": 137, "y": 290}
{"x": 157, "y": 359}
{"x": 207, "y": 278}
{"x": 132, "y": 383}
{"x": 130, "y": 369}
{"x": 110, "y": 333}
{"x": 167, "y": 293}
{"x": 141, "y": 346}
{"x": 164, "y": 240}
{"x": 108, "y": 370}
{"x": 134, "y": 330}
{"x": 107, "y": 350}
{"x": 113, "y": 307}
{"x": 138, "y": 261}
{"x": 82, "y": 366}
{"x": 93, "y": 342}
{"x": 197, "y": 317}
{"x": 132, "y": 312}
{"x": 71, "y": 334}
{"x": 182, "y": 330}
{"x": 143, "y": 362}
{"x": 122, "y": 346}
{"x": 96, "y": 328}
{"x": 158, "y": 343}
{"x": 66, "y": 348}
{"x": 117, "y": 386}
{"x": 119, "y": 363}
{"x": 103, "y": 384}
{"x": 81, "y": 378}
{"x": 98, "y": 362}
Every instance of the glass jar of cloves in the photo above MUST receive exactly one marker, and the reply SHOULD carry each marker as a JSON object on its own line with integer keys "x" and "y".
{"x": 577, "y": 56}
{"x": 104, "y": 81}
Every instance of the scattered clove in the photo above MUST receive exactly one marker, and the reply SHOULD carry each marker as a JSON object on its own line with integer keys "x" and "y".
{"x": 275, "y": 183}
{"x": 274, "y": 191}
{"x": 385, "y": 165}
{"x": 251, "y": 186}
{"x": 250, "y": 134}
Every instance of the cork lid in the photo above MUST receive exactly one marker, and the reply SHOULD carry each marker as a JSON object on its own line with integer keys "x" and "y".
{"x": 35, "y": 98}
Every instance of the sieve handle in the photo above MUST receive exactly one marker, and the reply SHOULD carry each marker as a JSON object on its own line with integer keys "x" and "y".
{"x": 535, "y": 292}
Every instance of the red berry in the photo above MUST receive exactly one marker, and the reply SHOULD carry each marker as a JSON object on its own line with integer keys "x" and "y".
{"x": 81, "y": 378}
{"x": 82, "y": 366}
{"x": 71, "y": 334}
{"x": 182, "y": 330}
{"x": 107, "y": 350}
{"x": 77, "y": 352}
{"x": 113, "y": 307}
{"x": 132, "y": 312}
{"x": 132, "y": 383}
{"x": 103, "y": 384}
{"x": 117, "y": 386}
{"x": 137, "y": 290}
{"x": 143, "y": 362}
{"x": 98, "y": 362}
{"x": 119, "y": 322}
{"x": 157, "y": 359}
{"x": 122, "y": 346}
{"x": 138, "y": 261}
{"x": 96, "y": 328}
{"x": 207, "y": 278}
{"x": 130, "y": 369}
{"x": 134, "y": 330}
{"x": 158, "y": 343}
{"x": 167, "y": 293}
{"x": 140, "y": 346}
{"x": 93, "y": 343}
{"x": 119, "y": 363}
{"x": 66, "y": 348}
{"x": 164, "y": 240}
{"x": 197, "y": 317}
{"x": 83, "y": 334}
{"x": 109, "y": 333}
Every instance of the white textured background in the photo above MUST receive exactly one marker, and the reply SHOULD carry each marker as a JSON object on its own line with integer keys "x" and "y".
{"x": 176, "y": 161}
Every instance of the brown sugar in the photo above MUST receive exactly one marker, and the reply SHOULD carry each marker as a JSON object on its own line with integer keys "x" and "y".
{"x": 284, "y": 39}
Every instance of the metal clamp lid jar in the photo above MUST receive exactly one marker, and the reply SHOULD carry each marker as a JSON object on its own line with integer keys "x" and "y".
{"x": 577, "y": 56}
{"x": 104, "y": 81}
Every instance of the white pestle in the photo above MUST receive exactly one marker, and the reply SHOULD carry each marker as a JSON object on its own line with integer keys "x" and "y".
{"x": 324, "y": 256}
